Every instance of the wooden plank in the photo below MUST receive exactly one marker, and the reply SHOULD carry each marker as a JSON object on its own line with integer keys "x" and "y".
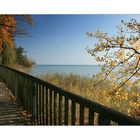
{"x": 40, "y": 107}
{"x": 66, "y": 111}
{"x": 43, "y": 92}
{"x": 50, "y": 95}
{"x": 30, "y": 95}
{"x": 37, "y": 103}
{"x": 60, "y": 109}
{"x": 55, "y": 100}
{"x": 47, "y": 106}
{"x": 73, "y": 109}
{"x": 33, "y": 100}
{"x": 81, "y": 122}
{"x": 27, "y": 93}
{"x": 91, "y": 117}
{"x": 19, "y": 89}
{"x": 15, "y": 89}
{"x": 9, "y": 109}
{"x": 103, "y": 120}
{"x": 24, "y": 93}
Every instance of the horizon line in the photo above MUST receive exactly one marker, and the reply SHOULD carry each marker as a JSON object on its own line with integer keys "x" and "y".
{"x": 66, "y": 64}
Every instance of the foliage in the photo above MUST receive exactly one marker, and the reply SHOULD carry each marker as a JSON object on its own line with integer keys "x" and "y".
{"x": 21, "y": 22}
{"x": 8, "y": 56}
{"x": 7, "y": 27}
{"x": 19, "y": 54}
{"x": 119, "y": 57}
{"x": 10, "y": 26}
{"x": 22, "y": 59}
{"x": 15, "y": 56}
{"x": 125, "y": 101}
{"x": 27, "y": 62}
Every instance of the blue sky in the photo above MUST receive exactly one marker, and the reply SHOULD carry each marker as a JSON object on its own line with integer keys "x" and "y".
{"x": 61, "y": 39}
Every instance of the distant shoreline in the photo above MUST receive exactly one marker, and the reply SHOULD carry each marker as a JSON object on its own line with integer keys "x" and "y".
{"x": 64, "y": 65}
{"x": 85, "y": 70}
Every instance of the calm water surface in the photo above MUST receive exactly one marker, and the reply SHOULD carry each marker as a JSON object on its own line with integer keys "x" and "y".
{"x": 84, "y": 70}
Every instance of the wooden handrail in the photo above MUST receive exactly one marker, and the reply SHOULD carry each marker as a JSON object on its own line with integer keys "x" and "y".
{"x": 51, "y": 105}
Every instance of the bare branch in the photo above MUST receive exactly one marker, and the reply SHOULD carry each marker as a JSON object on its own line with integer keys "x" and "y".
{"x": 112, "y": 70}
{"x": 124, "y": 82}
{"x": 6, "y": 25}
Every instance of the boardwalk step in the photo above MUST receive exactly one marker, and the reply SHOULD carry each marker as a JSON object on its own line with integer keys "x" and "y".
{"x": 9, "y": 109}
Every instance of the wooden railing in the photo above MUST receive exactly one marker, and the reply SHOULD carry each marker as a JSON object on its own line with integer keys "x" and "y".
{"x": 51, "y": 105}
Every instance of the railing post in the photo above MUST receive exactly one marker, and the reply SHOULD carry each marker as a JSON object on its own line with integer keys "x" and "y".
{"x": 81, "y": 115}
{"x": 37, "y": 103}
{"x": 47, "y": 115}
{"x": 55, "y": 108}
{"x": 103, "y": 120}
{"x": 73, "y": 117}
{"x": 34, "y": 101}
{"x": 42, "y": 104}
{"x": 60, "y": 109}
{"x": 66, "y": 111}
{"x": 50, "y": 98}
{"x": 15, "y": 86}
{"x": 91, "y": 117}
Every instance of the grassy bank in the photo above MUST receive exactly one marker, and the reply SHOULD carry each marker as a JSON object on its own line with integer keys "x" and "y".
{"x": 22, "y": 68}
{"x": 125, "y": 101}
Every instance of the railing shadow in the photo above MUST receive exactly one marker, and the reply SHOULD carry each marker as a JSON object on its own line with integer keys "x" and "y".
{"x": 9, "y": 113}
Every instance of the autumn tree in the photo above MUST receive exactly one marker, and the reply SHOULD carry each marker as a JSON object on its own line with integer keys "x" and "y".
{"x": 10, "y": 27}
{"x": 21, "y": 23}
{"x": 7, "y": 28}
{"x": 8, "y": 56}
{"x": 119, "y": 55}
{"x": 21, "y": 57}
{"x": 119, "y": 58}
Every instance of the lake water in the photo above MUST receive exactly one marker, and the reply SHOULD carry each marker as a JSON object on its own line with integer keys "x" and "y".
{"x": 84, "y": 70}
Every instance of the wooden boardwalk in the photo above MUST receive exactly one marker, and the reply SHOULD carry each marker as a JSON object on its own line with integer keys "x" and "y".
{"x": 10, "y": 113}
